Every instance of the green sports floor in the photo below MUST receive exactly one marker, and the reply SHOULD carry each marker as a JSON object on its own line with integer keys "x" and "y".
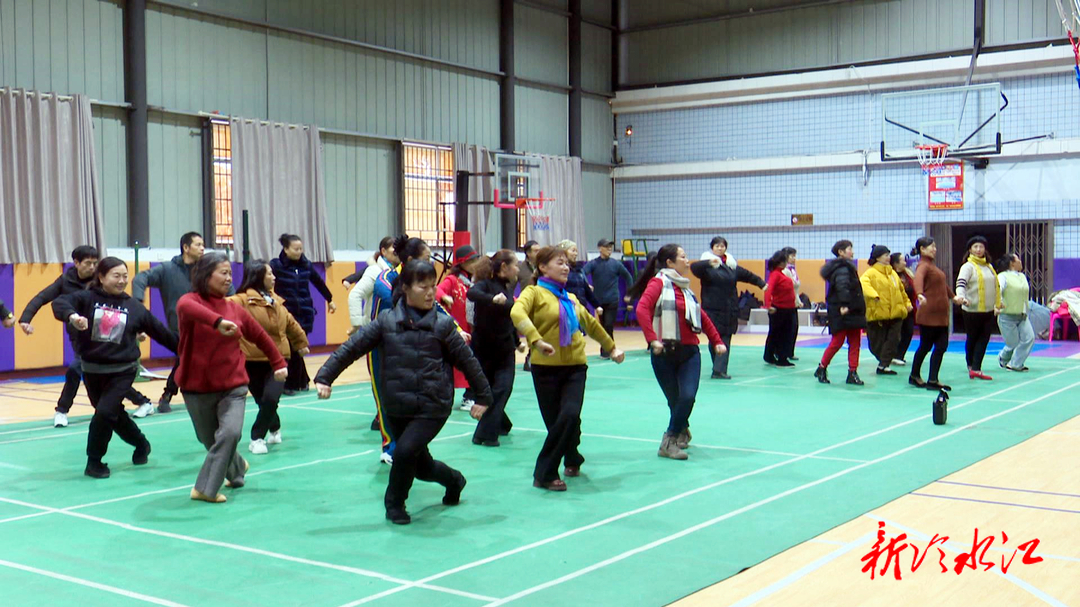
{"x": 776, "y": 459}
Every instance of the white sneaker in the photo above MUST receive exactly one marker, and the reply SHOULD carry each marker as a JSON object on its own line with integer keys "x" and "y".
{"x": 466, "y": 404}
{"x": 899, "y": 363}
{"x": 386, "y": 458}
{"x": 258, "y": 447}
{"x": 273, "y": 438}
{"x": 60, "y": 420}
{"x": 143, "y": 410}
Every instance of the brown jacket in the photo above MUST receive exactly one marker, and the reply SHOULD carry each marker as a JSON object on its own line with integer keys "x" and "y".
{"x": 930, "y": 282}
{"x": 276, "y": 320}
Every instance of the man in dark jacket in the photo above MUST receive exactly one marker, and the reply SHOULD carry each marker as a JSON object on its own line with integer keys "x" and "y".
{"x": 173, "y": 281}
{"x": 605, "y": 273}
{"x": 419, "y": 349}
{"x": 73, "y": 280}
{"x": 720, "y": 276}
{"x": 846, "y": 313}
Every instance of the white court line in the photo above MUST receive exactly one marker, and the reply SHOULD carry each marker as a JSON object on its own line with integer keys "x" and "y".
{"x": 1031, "y": 589}
{"x": 611, "y": 519}
{"x": 804, "y": 571}
{"x": 247, "y": 549}
{"x": 74, "y": 580}
{"x": 768, "y": 500}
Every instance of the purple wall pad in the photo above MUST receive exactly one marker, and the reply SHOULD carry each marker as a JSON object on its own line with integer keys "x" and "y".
{"x": 69, "y": 352}
{"x": 1066, "y": 273}
{"x": 7, "y": 336}
{"x": 318, "y": 330}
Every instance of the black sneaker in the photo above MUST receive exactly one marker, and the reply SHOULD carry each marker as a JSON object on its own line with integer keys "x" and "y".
{"x": 822, "y": 375}
{"x": 163, "y": 405}
{"x": 96, "y": 469}
{"x": 453, "y": 494}
{"x": 486, "y": 443}
{"x": 398, "y": 516}
{"x": 306, "y": 388}
{"x": 720, "y": 376}
{"x": 142, "y": 454}
{"x": 854, "y": 379}
{"x": 793, "y": 358}
{"x": 881, "y": 371}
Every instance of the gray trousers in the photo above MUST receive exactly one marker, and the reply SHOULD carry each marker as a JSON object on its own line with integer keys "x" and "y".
{"x": 1019, "y": 339}
{"x": 218, "y": 418}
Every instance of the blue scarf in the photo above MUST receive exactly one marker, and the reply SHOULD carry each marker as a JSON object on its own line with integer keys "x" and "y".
{"x": 568, "y": 320}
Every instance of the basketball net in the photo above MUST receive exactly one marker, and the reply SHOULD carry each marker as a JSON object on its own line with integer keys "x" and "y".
{"x": 932, "y": 156}
{"x": 1070, "y": 20}
{"x": 538, "y": 211}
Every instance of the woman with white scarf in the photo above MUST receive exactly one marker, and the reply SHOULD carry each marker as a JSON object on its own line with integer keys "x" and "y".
{"x": 671, "y": 319}
{"x": 977, "y": 286}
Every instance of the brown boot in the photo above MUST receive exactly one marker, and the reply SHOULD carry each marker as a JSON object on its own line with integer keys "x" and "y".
{"x": 669, "y": 448}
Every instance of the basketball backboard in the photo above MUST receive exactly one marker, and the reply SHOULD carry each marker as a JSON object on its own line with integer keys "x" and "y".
{"x": 967, "y": 119}
{"x": 516, "y": 177}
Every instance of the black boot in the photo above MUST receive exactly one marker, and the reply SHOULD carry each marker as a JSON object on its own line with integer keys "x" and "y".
{"x": 96, "y": 469}
{"x": 822, "y": 375}
{"x": 853, "y": 378}
{"x": 453, "y": 494}
{"x": 398, "y": 516}
{"x": 141, "y": 454}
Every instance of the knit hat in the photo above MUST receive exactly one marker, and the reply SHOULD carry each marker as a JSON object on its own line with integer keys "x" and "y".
{"x": 463, "y": 253}
{"x": 975, "y": 240}
{"x": 877, "y": 251}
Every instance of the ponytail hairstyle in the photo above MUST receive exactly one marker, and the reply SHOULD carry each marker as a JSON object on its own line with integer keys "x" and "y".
{"x": 385, "y": 243}
{"x": 1004, "y": 262}
{"x": 286, "y": 240}
{"x": 489, "y": 267}
{"x": 103, "y": 268}
{"x": 408, "y": 248}
{"x": 778, "y": 261}
{"x": 656, "y": 263}
{"x": 921, "y": 244}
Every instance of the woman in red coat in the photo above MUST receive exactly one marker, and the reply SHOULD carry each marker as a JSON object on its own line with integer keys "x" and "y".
{"x": 783, "y": 312}
{"x": 452, "y": 293}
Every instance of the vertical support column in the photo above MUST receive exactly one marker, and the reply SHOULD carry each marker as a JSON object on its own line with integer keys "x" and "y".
{"x": 574, "y": 112}
{"x": 138, "y": 171}
{"x": 506, "y": 108}
{"x": 616, "y": 51}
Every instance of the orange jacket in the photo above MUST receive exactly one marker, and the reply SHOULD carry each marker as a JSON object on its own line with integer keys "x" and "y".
{"x": 278, "y": 323}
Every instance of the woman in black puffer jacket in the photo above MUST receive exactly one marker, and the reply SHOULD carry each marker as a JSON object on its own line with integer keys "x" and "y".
{"x": 293, "y": 271}
{"x": 847, "y": 311}
{"x": 419, "y": 348}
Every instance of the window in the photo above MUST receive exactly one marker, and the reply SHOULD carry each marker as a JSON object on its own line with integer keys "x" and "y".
{"x": 522, "y": 223}
{"x": 221, "y": 144}
{"x": 429, "y": 193}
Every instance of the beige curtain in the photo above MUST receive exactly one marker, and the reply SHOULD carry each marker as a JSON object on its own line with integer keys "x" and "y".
{"x": 49, "y": 200}
{"x": 561, "y": 180}
{"x": 476, "y": 159}
{"x": 277, "y": 177}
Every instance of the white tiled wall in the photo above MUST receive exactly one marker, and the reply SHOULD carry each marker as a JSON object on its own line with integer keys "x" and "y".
{"x": 889, "y": 209}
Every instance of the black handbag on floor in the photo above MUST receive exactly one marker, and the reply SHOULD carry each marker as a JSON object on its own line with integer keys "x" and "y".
{"x": 941, "y": 407}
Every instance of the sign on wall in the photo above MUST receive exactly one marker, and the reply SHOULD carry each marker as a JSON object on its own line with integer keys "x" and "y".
{"x": 946, "y": 187}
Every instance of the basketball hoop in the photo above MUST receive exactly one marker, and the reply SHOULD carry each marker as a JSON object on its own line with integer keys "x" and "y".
{"x": 539, "y": 213}
{"x": 932, "y": 155}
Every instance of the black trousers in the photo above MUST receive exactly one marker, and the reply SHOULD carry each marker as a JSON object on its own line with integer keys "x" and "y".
{"x": 73, "y": 377}
{"x": 267, "y": 393}
{"x": 607, "y": 318}
{"x": 106, "y": 391}
{"x": 907, "y": 332}
{"x": 560, "y": 392}
{"x": 499, "y": 370}
{"x": 298, "y": 375}
{"x": 930, "y": 337}
{"x": 883, "y": 337}
{"x": 412, "y": 459}
{"x": 783, "y": 324}
{"x": 979, "y": 326}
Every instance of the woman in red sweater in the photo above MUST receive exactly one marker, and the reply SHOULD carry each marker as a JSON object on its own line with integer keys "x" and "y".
{"x": 671, "y": 319}
{"x": 212, "y": 373}
{"x": 783, "y": 312}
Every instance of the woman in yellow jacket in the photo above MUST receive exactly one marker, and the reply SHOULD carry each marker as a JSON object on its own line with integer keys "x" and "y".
{"x": 256, "y": 295}
{"x": 552, "y": 322}
{"x": 887, "y": 305}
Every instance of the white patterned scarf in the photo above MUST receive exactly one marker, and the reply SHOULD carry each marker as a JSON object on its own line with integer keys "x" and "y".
{"x": 667, "y": 311}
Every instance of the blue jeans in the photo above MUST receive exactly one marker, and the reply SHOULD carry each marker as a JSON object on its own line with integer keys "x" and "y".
{"x": 678, "y": 370}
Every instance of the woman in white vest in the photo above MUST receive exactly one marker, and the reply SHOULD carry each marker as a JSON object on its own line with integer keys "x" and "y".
{"x": 1013, "y": 320}
{"x": 977, "y": 286}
